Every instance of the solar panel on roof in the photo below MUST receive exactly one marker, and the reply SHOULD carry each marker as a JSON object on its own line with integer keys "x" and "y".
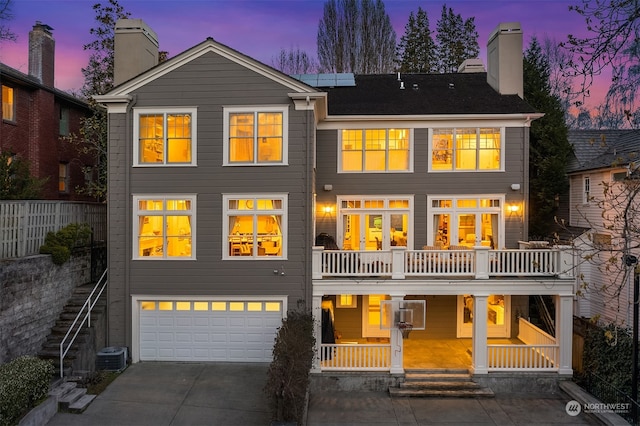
{"x": 336, "y": 79}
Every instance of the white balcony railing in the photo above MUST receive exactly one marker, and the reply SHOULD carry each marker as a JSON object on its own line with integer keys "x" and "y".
{"x": 355, "y": 357}
{"x": 479, "y": 262}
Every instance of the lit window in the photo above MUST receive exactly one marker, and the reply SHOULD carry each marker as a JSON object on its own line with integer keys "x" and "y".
{"x": 164, "y": 227}
{"x": 254, "y": 306}
{"x": 218, "y": 306}
{"x": 375, "y": 150}
{"x": 148, "y": 306}
{"x": 8, "y": 103}
{"x": 165, "y": 306}
{"x": 63, "y": 177}
{"x": 200, "y": 306}
{"x": 255, "y": 136}
{"x": 236, "y": 306}
{"x": 466, "y": 149}
{"x": 272, "y": 306}
{"x": 255, "y": 226}
{"x": 183, "y": 306}
{"x": 164, "y": 137}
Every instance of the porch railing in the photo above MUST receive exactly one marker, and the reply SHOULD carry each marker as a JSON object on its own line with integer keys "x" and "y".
{"x": 511, "y": 357}
{"x": 479, "y": 262}
{"x": 25, "y": 224}
{"x": 355, "y": 357}
{"x": 532, "y": 335}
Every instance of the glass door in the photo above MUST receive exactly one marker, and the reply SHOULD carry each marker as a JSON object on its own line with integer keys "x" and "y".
{"x": 371, "y": 316}
{"x": 497, "y": 317}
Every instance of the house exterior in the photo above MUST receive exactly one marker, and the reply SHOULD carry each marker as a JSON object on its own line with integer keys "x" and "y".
{"x": 36, "y": 116}
{"x": 602, "y": 159}
{"x": 389, "y": 204}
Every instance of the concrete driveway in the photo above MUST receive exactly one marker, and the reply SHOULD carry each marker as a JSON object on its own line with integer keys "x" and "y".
{"x": 171, "y": 393}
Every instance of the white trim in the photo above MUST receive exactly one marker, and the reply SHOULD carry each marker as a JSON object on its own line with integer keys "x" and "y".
{"x": 114, "y": 104}
{"x": 135, "y": 223}
{"x": 137, "y": 298}
{"x": 193, "y": 111}
{"x": 465, "y": 330}
{"x": 284, "y": 225}
{"x": 425, "y": 121}
{"x": 284, "y": 109}
{"x": 476, "y": 170}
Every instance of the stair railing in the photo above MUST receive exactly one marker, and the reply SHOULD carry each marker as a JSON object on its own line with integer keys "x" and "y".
{"x": 85, "y": 314}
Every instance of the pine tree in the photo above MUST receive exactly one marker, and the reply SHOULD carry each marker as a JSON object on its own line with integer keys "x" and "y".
{"x": 456, "y": 40}
{"x": 549, "y": 147}
{"x": 417, "y": 49}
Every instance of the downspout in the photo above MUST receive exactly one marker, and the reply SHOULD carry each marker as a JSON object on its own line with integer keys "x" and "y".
{"x": 308, "y": 213}
{"x": 525, "y": 180}
{"x": 128, "y": 231}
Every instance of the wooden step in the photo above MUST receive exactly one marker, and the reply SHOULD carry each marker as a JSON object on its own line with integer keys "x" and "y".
{"x": 440, "y": 383}
{"x": 70, "y": 397}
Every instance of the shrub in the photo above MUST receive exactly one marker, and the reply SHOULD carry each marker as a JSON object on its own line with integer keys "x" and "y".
{"x": 288, "y": 375}
{"x": 59, "y": 244}
{"x": 24, "y": 382}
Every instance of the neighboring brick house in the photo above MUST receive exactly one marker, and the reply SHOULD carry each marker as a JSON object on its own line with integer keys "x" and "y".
{"x": 236, "y": 192}
{"x": 35, "y": 117}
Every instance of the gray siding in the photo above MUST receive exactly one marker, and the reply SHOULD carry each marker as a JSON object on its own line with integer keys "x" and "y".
{"x": 208, "y": 83}
{"x": 421, "y": 183}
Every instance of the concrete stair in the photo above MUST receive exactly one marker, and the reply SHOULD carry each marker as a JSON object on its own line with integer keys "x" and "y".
{"x": 71, "y": 398}
{"x": 439, "y": 383}
{"x": 51, "y": 348}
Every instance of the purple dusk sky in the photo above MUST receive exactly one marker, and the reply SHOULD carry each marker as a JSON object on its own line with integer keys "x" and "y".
{"x": 258, "y": 28}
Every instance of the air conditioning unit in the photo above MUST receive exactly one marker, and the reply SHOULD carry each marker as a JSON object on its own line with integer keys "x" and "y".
{"x": 112, "y": 358}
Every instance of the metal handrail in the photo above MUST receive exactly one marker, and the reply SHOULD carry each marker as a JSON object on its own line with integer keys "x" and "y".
{"x": 88, "y": 304}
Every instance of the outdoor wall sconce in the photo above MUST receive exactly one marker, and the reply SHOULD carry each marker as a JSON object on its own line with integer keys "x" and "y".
{"x": 327, "y": 210}
{"x": 514, "y": 211}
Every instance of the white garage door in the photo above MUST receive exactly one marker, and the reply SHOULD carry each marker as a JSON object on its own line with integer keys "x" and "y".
{"x": 200, "y": 330}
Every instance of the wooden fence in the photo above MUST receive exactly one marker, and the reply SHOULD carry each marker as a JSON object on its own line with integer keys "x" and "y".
{"x": 25, "y": 224}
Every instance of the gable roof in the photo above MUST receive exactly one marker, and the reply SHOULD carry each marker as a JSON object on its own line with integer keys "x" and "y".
{"x": 597, "y": 149}
{"x": 423, "y": 94}
{"x": 209, "y": 45}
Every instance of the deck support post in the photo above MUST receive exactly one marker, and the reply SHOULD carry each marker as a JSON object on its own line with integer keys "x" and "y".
{"x": 564, "y": 333}
{"x": 397, "y": 345}
{"x": 479, "y": 363}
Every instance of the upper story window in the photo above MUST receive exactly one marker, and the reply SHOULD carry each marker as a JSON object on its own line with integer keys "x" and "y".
{"x": 375, "y": 150}
{"x": 466, "y": 149}
{"x": 164, "y": 136}
{"x": 255, "y": 226}
{"x": 164, "y": 226}
{"x": 256, "y": 136}
{"x": 64, "y": 121}
{"x": 8, "y": 103}
{"x": 63, "y": 177}
{"x": 586, "y": 193}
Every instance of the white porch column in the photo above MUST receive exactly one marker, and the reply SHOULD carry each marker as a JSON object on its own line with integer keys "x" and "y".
{"x": 564, "y": 333}
{"x": 482, "y": 262}
{"x": 479, "y": 337}
{"x": 397, "y": 262}
{"x": 316, "y": 311}
{"x": 395, "y": 338}
{"x": 316, "y": 262}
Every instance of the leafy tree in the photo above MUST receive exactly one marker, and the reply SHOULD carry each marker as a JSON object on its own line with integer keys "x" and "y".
{"x": 612, "y": 43}
{"x": 98, "y": 79}
{"x": 294, "y": 61}
{"x": 356, "y": 36}
{"x": 5, "y": 16}
{"x": 456, "y": 40}
{"x": 549, "y": 147}
{"x": 416, "y": 50}
{"x": 16, "y": 182}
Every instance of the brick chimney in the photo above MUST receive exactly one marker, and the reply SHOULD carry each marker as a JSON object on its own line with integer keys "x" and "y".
{"x": 135, "y": 49}
{"x": 42, "y": 48}
{"x": 504, "y": 59}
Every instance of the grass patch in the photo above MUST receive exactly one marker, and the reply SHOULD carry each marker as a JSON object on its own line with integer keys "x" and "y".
{"x": 99, "y": 380}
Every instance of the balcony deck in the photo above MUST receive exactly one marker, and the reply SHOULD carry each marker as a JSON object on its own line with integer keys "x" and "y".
{"x": 478, "y": 262}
